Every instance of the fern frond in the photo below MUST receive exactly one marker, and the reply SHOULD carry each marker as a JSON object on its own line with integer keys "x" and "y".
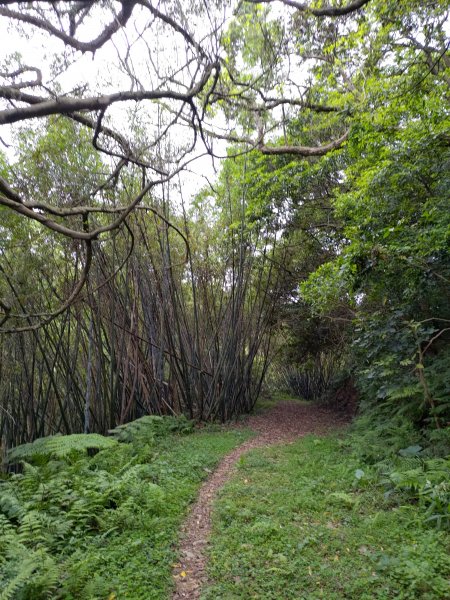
{"x": 6, "y": 527}
{"x": 60, "y": 446}
{"x": 11, "y": 506}
{"x": 150, "y": 426}
{"x": 31, "y": 528}
{"x": 37, "y": 575}
{"x": 27, "y": 568}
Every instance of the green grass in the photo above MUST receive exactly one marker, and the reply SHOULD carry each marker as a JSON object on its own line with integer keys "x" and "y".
{"x": 304, "y": 521}
{"x": 297, "y": 523}
{"x": 267, "y": 401}
{"x": 103, "y": 527}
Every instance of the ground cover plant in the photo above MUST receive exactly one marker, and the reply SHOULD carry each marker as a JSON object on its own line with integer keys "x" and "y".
{"x": 103, "y": 524}
{"x": 316, "y": 519}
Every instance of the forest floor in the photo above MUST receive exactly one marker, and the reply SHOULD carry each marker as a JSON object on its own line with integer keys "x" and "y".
{"x": 282, "y": 424}
{"x": 288, "y": 504}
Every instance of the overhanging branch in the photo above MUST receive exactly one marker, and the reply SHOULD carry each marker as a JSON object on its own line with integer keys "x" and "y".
{"x": 117, "y": 23}
{"x": 42, "y": 107}
{"x": 304, "y": 150}
{"x": 324, "y": 11}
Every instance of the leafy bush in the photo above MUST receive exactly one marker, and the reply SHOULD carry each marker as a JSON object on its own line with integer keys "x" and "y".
{"x": 385, "y": 349}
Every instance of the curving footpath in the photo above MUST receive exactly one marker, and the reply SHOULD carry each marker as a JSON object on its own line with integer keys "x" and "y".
{"x": 283, "y": 424}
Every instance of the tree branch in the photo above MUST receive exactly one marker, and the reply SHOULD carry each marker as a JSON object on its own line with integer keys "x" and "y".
{"x": 119, "y": 21}
{"x": 74, "y": 294}
{"x": 176, "y": 26}
{"x": 304, "y": 150}
{"x": 13, "y": 201}
{"x": 324, "y": 11}
{"x": 42, "y": 107}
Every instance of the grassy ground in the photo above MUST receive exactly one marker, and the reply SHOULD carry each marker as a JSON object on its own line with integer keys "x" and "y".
{"x": 267, "y": 401}
{"x": 103, "y": 527}
{"x": 141, "y": 558}
{"x": 303, "y": 522}
{"x": 308, "y": 520}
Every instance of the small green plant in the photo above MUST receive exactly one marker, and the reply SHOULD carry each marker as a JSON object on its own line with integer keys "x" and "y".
{"x": 427, "y": 483}
{"x": 418, "y": 569}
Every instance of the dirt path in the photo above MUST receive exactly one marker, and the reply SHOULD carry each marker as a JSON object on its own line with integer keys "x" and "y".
{"x": 283, "y": 424}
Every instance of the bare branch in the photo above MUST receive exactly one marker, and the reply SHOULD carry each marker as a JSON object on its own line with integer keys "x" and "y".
{"x": 69, "y": 301}
{"x": 21, "y": 71}
{"x": 127, "y": 155}
{"x": 305, "y": 150}
{"x": 324, "y": 11}
{"x": 271, "y": 103}
{"x": 42, "y": 107}
{"x": 176, "y": 26}
{"x": 12, "y": 200}
{"x": 119, "y": 21}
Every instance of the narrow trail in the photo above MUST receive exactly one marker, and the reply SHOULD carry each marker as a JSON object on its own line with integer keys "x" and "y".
{"x": 283, "y": 424}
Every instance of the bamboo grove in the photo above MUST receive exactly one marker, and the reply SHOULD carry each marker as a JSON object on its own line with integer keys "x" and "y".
{"x": 182, "y": 326}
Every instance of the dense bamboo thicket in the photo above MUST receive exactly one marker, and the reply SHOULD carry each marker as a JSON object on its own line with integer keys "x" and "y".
{"x": 182, "y": 327}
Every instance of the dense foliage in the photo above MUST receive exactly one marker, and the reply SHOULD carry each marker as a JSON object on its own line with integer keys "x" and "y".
{"x": 394, "y": 268}
{"x": 320, "y": 248}
{"x": 102, "y": 524}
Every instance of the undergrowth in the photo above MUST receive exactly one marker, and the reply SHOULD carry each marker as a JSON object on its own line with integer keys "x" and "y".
{"x": 361, "y": 516}
{"x": 95, "y": 518}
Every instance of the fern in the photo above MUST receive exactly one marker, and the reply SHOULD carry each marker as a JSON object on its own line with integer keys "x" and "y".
{"x": 426, "y": 481}
{"x": 11, "y": 506}
{"x": 407, "y": 391}
{"x": 27, "y": 567}
{"x": 38, "y": 576}
{"x": 151, "y": 426}
{"x": 47, "y": 577}
{"x": 31, "y": 528}
{"x": 5, "y": 526}
{"x": 85, "y": 512}
{"x": 66, "y": 505}
{"x": 96, "y": 587}
{"x": 143, "y": 428}
{"x": 59, "y": 446}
